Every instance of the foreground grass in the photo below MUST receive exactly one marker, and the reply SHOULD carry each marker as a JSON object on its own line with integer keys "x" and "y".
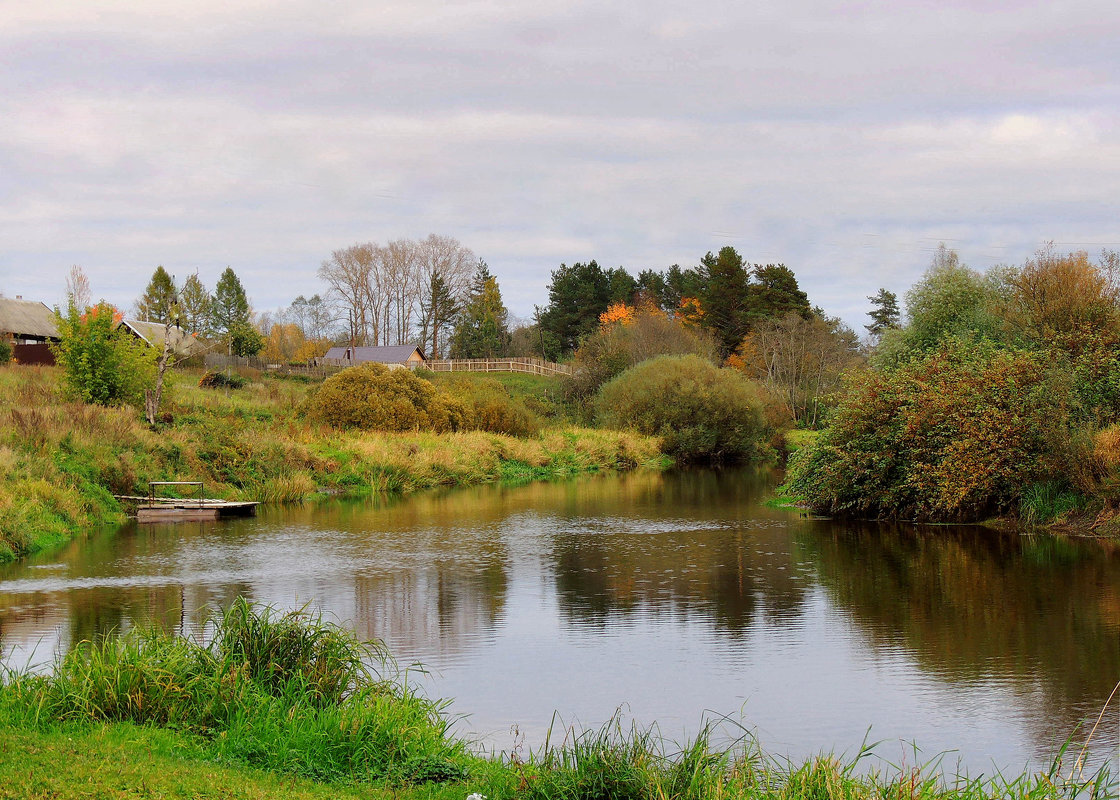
{"x": 61, "y": 462}
{"x": 284, "y": 705}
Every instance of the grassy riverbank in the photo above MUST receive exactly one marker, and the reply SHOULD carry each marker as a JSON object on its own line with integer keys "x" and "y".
{"x": 285, "y": 705}
{"x": 61, "y": 462}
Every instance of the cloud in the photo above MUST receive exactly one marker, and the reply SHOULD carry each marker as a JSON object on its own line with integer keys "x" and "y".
{"x": 843, "y": 140}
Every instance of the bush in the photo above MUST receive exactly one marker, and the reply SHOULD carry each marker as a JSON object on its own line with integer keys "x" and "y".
{"x": 489, "y": 406}
{"x": 5, "y": 352}
{"x": 101, "y": 363}
{"x": 701, "y": 412}
{"x": 375, "y": 397}
{"x": 219, "y": 380}
{"x": 955, "y": 435}
{"x": 616, "y": 346}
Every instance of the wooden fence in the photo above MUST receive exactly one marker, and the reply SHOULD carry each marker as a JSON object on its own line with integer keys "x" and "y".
{"x": 531, "y": 366}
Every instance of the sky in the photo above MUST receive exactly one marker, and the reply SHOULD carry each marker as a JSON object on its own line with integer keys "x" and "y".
{"x": 843, "y": 139}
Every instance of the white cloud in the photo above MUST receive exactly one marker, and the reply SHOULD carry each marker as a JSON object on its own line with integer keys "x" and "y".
{"x": 845, "y": 141}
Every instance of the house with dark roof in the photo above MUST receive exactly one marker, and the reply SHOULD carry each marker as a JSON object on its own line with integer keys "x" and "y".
{"x": 403, "y": 355}
{"x": 29, "y": 327}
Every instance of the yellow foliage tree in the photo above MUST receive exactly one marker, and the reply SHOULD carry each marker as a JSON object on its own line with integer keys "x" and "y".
{"x": 617, "y": 312}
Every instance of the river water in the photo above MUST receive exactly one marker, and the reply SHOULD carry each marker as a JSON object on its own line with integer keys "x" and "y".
{"x": 674, "y": 597}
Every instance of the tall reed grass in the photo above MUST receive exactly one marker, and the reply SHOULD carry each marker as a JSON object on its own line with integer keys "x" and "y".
{"x": 285, "y": 691}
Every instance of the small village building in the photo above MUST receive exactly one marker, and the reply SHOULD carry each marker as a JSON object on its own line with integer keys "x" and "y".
{"x": 183, "y": 344}
{"x": 30, "y": 328}
{"x": 406, "y": 355}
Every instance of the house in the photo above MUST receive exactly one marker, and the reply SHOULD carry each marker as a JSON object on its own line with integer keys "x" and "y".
{"x": 404, "y": 355}
{"x": 183, "y": 344}
{"x": 29, "y": 327}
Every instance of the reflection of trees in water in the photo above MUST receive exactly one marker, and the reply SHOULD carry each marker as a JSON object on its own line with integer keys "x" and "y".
{"x": 698, "y": 547}
{"x": 977, "y": 605}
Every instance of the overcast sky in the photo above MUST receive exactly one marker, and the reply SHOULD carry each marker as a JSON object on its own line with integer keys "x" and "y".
{"x": 845, "y": 139}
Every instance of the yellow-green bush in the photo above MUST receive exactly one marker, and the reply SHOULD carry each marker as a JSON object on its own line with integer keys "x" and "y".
{"x": 490, "y": 407}
{"x": 375, "y": 397}
{"x": 701, "y": 412}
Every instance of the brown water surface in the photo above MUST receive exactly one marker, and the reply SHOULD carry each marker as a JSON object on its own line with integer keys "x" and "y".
{"x": 673, "y": 596}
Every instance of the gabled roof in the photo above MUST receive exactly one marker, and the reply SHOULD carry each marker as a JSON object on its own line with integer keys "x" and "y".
{"x": 393, "y": 354}
{"x": 182, "y": 343}
{"x": 26, "y": 318}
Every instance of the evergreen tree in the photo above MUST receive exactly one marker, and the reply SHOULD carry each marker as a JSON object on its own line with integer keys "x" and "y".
{"x": 483, "y": 327}
{"x": 194, "y": 303}
{"x": 156, "y": 302}
{"x": 884, "y": 312}
{"x": 437, "y": 310}
{"x": 621, "y": 286}
{"x": 230, "y": 306}
{"x": 576, "y": 297}
{"x": 775, "y": 293}
{"x": 726, "y": 298}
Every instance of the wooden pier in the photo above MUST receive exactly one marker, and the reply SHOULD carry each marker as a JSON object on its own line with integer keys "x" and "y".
{"x": 186, "y": 509}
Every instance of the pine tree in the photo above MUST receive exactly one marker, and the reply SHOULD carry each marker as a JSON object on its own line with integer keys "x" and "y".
{"x": 230, "y": 317}
{"x": 884, "y": 313}
{"x": 156, "y": 302}
{"x": 726, "y": 298}
{"x": 482, "y": 330}
{"x": 195, "y": 300}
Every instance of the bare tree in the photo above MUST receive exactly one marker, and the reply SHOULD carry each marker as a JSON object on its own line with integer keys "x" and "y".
{"x": 399, "y": 262}
{"x": 77, "y": 288}
{"x": 349, "y": 273}
{"x": 444, "y": 265}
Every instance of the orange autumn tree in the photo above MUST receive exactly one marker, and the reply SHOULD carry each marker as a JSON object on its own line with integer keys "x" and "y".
{"x": 617, "y": 312}
{"x": 690, "y": 310}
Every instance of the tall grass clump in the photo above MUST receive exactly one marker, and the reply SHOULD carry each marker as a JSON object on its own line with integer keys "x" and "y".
{"x": 701, "y": 412}
{"x": 616, "y": 762}
{"x": 285, "y": 691}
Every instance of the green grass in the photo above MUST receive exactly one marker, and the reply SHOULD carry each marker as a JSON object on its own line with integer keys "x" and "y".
{"x": 286, "y": 705}
{"x": 61, "y": 462}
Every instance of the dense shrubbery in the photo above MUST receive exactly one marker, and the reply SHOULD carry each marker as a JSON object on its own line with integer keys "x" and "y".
{"x": 699, "y": 410}
{"x": 101, "y": 363}
{"x": 639, "y": 334}
{"x": 5, "y": 352}
{"x": 375, "y": 397}
{"x": 489, "y": 406}
{"x": 956, "y": 434}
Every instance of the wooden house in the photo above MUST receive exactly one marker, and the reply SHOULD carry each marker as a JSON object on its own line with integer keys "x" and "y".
{"x": 29, "y": 327}
{"x": 406, "y": 355}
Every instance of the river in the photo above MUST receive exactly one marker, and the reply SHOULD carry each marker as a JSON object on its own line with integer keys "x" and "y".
{"x": 669, "y": 596}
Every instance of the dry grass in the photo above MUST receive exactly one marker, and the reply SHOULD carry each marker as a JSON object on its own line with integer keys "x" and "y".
{"x": 61, "y": 462}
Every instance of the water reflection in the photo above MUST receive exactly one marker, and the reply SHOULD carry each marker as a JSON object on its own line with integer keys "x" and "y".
{"x": 674, "y": 593}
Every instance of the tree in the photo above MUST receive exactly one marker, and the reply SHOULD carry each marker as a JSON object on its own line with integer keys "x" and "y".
{"x": 101, "y": 362}
{"x": 229, "y": 311}
{"x": 194, "y": 306}
{"x": 482, "y": 330}
{"x": 577, "y": 296}
{"x": 800, "y": 360}
{"x": 884, "y": 313}
{"x": 349, "y": 273}
{"x": 775, "y": 293}
{"x": 441, "y": 257}
{"x": 315, "y": 316}
{"x": 245, "y": 340}
{"x": 156, "y": 303}
{"x": 77, "y": 288}
{"x": 621, "y": 286}
{"x": 725, "y": 298}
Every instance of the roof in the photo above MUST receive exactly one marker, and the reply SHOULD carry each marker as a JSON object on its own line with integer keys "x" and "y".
{"x": 27, "y": 318}
{"x": 182, "y": 343}
{"x": 395, "y": 354}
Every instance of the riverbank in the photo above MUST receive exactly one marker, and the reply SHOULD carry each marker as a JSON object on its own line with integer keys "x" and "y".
{"x": 287, "y": 705}
{"x": 61, "y": 462}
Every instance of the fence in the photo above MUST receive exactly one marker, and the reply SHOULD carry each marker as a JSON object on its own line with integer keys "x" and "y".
{"x": 532, "y": 366}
